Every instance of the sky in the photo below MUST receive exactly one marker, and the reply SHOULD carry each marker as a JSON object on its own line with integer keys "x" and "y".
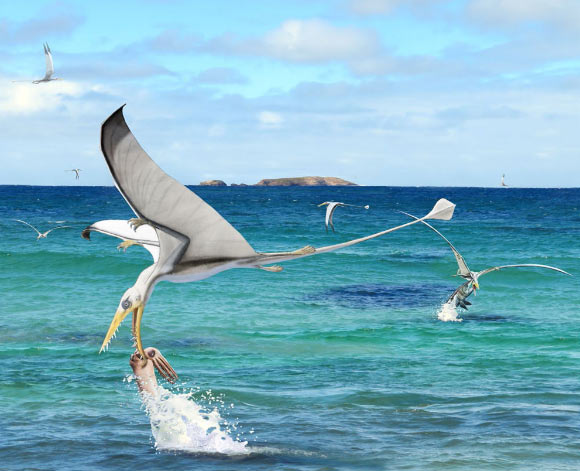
{"x": 379, "y": 92}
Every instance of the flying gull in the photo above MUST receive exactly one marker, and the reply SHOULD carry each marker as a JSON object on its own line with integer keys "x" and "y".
{"x": 194, "y": 241}
{"x": 331, "y": 207}
{"x": 460, "y": 295}
{"x": 42, "y": 235}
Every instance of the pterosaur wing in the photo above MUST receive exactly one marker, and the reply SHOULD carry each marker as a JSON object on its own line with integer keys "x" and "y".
{"x": 463, "y": 269}
{"x": 29, "y": 225}
{"x": 329, "y": 213}
{"x": 49, "y": 64}
{"x": 192, "y": 229}
{"x": 144, "y": 235}
{"x": 489, "y": 270}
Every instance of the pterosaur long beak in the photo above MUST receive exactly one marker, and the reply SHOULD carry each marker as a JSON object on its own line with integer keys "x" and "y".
{"x": 115, "y": 323}
{"x": 137, "y": 316}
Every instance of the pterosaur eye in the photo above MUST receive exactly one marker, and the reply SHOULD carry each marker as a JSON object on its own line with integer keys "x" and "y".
{"x": 126, "y": 304}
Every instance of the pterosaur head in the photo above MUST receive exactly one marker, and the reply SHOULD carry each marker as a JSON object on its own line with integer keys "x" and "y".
{"x": 474, "y": 281}
{"x": 132, "y": 301}
{"x": 324, "y": 204}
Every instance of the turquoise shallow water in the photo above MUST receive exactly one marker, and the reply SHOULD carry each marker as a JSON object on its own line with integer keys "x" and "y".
{"x": 338, "y": 362}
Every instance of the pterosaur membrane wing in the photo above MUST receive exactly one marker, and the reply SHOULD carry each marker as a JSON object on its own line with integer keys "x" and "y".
{"x": 144, "y": 235}
{"x": 49, "y": 64}
{"x": 189, "y": 229}
{"x": 532, "y": 265}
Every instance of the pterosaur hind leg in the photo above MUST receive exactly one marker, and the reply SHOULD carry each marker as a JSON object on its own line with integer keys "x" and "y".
{"x": 304, "y": 250}
{"x": 126, "y": 244}
{"x": 137, "y": 222}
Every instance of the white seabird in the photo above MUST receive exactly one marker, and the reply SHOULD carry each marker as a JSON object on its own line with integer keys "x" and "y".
{"x": 42, "y": 235}
{"x": 331, "y": 207}
{"x": 460, "y": 295}
{"x": 194, "y": 241}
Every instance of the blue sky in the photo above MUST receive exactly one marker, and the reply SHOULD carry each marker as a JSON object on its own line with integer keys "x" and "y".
{"x": 380, "y": 92}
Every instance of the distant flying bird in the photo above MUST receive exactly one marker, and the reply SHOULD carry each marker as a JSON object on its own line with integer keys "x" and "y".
{"x": 193, "y": 240}
{"x": 503, "y": 181}
{"x": 49, "y": 68}
{"x": 76, "y": 171}
{"x": 331, "y": 207}
{"x": 460, "y": 295}
{"x": 42, "y": 235}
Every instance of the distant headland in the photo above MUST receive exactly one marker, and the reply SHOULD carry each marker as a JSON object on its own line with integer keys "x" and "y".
{"x": 295, "y": 181}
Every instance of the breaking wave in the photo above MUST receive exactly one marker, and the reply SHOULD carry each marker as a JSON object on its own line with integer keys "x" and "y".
{"x": 448, "y": 313}
{"x": 178, "y": 423}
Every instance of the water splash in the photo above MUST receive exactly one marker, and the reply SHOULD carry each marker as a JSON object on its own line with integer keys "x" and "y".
{"x": 448, "y": 313}
{"x": 180, "y": 424}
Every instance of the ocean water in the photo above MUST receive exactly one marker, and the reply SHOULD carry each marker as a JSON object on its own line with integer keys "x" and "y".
{"x": 339, "y": 362}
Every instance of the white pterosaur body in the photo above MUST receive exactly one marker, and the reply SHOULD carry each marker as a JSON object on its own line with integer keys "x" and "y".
{"x": 459, "y": 296}
{"x": 193, "y": 241}
{"x": 331, "y": 207}
{"x": 48, "y": 74}
{"x": 42, "y": 235}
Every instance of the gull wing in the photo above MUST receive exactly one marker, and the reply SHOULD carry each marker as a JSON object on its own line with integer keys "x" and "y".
{"x": 144, "y": 235}
{"x": 49, "y": 64}
{"x": 489, "y": 270}
{"x": 463, "y": 269}
{"x": 188, "y": 228}
{"x": 442, "y": 210}
{"x": 29, "y": 225}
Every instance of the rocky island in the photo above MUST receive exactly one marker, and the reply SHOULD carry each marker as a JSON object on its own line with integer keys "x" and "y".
{"x": 213, "y": 183}
{"x": 294, "y": 181}
{"x": 305, "y": 181}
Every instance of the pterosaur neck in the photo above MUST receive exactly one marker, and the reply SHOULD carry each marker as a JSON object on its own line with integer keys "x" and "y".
{"x": 147, "y": 281}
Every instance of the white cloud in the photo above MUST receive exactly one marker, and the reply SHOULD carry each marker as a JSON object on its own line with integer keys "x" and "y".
{"x": 386, "y": 7}
{"x": 22, "y": 98}
{"x": 306, "y": 41}
{"x": 373, "y": 7}
{"x": 506, "y": 12}
{"x": 317, "y": 41}
{"x": 269, "y": 119}
{"x": 217, "y": 130}
{"x": 220, "y": 75}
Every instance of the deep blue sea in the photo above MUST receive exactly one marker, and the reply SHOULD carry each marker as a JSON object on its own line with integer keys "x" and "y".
{"x": 339, "y": 362}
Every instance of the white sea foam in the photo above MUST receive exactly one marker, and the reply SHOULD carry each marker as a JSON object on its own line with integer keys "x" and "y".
{"x": 180, "y": 424}
{"x": 448, "y": 313}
